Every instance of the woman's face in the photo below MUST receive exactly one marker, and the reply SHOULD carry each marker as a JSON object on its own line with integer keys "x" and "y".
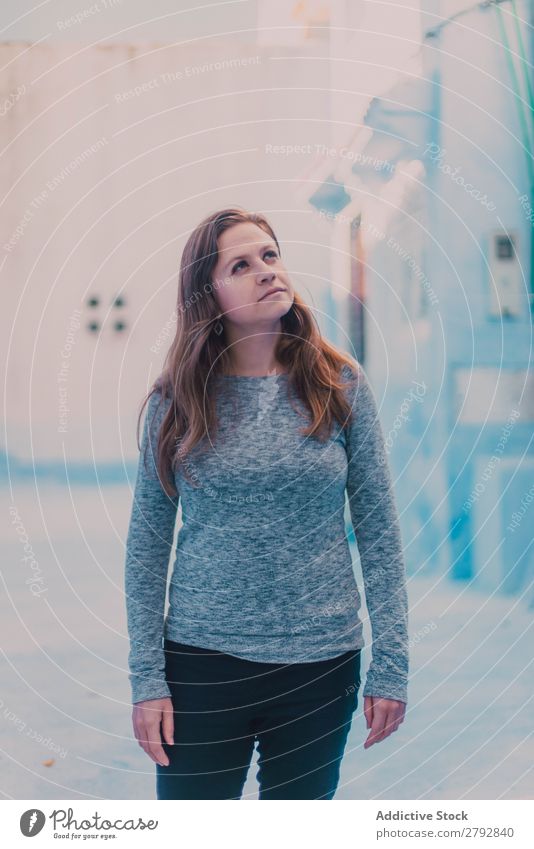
{"x": 248, "y": 267}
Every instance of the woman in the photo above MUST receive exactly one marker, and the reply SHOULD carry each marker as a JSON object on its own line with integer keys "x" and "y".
{"x": 259, "y": 427}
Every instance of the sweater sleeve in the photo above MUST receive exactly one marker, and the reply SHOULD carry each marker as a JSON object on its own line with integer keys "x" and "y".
{"x": 148, "y": 546}
{"x": 376, "y": 527}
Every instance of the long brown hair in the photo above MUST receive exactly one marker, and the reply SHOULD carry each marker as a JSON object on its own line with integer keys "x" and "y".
{"x": 198, "y": 355}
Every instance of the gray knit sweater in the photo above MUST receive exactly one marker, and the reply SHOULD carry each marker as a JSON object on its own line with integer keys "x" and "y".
{"x": 263, "y": 568}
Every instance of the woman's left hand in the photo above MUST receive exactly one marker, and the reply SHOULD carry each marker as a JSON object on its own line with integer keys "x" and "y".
{"x": 383, "y": 716}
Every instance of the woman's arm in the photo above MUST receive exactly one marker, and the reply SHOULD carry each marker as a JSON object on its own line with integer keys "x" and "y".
{"x": 148, "y": 546}
{"x": 376, "y": 526}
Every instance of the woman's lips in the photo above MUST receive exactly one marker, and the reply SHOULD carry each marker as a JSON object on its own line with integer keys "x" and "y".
{"x": 270, "y": 294}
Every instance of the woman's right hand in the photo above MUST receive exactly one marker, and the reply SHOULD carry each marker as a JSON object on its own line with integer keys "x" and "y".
{"x": 147, "y": 719}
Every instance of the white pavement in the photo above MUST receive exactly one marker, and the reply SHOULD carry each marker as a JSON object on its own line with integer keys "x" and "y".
{"x": 468, "y": 733}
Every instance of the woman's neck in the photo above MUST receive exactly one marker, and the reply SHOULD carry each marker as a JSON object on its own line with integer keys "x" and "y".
{"x": 252, "y": 353}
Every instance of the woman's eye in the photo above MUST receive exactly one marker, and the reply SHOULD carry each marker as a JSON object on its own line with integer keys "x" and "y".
{"x": 242, "y": 262}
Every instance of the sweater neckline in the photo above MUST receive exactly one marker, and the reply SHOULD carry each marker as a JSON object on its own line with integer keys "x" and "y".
{"x": 243, "y": 377}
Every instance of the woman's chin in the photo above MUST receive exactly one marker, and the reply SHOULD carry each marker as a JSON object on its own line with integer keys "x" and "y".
{"x": 276, "y": 307}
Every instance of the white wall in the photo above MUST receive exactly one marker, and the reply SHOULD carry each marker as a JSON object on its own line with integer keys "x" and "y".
{"x": 119, "y": 216}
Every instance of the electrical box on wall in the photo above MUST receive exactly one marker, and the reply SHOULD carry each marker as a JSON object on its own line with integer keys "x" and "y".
{"x": 103, "y": 316}
{"x": 505, "y": 281}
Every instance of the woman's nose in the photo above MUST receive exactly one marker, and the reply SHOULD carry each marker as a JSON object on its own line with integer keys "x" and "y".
{"x": 266, "y": 274}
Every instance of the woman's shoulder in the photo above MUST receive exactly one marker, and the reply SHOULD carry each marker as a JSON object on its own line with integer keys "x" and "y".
{"x": 351, "y": 371}
{"x": 358, "y": 390}
{"x": 158, "y": 403}
{"x": 160, "y": 393}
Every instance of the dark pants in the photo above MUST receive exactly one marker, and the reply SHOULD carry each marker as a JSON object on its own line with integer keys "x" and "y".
{"x": 300, "y": 715}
